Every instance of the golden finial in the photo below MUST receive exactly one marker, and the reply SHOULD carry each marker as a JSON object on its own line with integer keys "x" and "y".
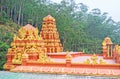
{"x": 68, "y": 55}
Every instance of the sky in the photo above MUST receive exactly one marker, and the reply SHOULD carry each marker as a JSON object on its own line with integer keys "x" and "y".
{"x": 112, "y": 7}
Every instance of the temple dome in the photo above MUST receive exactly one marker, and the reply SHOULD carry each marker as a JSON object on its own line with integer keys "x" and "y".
{"x": 28, "y": 30}
{"x": 29, "y": 27}
{"x": 107, "y": 40}
{"x": 48, "y": 18}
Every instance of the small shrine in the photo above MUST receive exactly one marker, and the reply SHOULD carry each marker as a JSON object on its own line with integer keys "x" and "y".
{"x": 27, "y": 45}
{"x": 107, "y": 48}
{"x": 50, "y": 35}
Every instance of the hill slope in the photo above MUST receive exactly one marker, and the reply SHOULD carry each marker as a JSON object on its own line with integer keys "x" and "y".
{"x": 7, "y": 30}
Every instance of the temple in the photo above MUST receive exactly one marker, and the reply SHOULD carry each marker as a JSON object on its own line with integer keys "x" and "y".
{"x": 50, "y": 35}
{"x": 43, "y": 53}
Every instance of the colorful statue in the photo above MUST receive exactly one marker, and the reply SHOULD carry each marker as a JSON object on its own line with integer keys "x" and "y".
{"x": 17, "y": 58}
{"x": 43, "y": 58}
{"x": 94, "y": 59}
{"x": 101, "y": 61}
{"x": 68, "y": 56}
{"x": 87, "y": 61}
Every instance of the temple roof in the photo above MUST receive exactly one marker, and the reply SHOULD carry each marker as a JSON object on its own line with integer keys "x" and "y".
{"x": 28, "y": 30}
{"x": 48, "y": 18}
{"x": 29, "y": 27}
{"x": 107, "y": 40}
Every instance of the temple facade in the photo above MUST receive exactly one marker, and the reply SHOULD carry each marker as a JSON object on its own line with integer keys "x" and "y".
{"x": 28, "y": 45}
{"x": 110, "y": 51}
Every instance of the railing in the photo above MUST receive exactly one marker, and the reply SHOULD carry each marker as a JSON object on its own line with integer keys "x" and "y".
{"x": 87, "y": 48}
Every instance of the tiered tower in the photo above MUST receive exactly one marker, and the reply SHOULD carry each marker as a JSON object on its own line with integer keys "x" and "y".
{"x": 50, "y": 35}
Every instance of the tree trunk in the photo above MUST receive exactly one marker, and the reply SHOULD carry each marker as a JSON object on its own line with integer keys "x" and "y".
{"x": 11, "y": 13}
{"x": 1, "y": 5}
{"x": 8, "y": 12}
{"x": 19, "y": 16}
{"x": 21, "y": 19}
{"x": 1, "y": 8}
{"x": 15, "y": 15}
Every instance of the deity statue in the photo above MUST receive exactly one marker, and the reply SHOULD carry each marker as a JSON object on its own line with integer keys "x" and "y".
{"x": 25, "y": 55}
{"x": 87, "y": 61}
{"x": 17, "y": 58}
{"x": 36, "y": 32}
{"x": 118, "y": 49}
{"x": 68, "y": 56}
{"x": 31, "y": 37}
{"x": 15, "y": 37}
{"x": 102, "y": 61}
{"x": 14, "y": 47}
{"x": 94, "y": 59}
{"x": 43, "y": 58}
{"x": 22, "y": 33}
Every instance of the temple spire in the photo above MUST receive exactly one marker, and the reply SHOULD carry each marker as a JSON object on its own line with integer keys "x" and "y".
{"x": 50, "y": 34}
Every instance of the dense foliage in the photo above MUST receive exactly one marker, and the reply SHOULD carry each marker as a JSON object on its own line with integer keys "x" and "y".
{"x": 76, "y": 24}
{"x": 7, "y": 29}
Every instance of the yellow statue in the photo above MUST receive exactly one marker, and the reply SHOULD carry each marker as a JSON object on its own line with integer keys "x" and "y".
{"x": 31, "y": 37}
{"x": 17, "y": 58}
{"x": 43, "y": 58}
{"x": 102, "y": 61}
{"x": 13, "y": 47}
{"x": 68, "y": 56}
{"x": 118, "y": 49}
{"x": 15, "y": 37}
{"x": 36, "y": 31}
{"x": 22, "y": 33}
{"x": 87, "y": 61}
{"x": 94, "y": 59}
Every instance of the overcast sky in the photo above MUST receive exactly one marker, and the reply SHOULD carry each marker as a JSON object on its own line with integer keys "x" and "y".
{"x": 110, "y": 6}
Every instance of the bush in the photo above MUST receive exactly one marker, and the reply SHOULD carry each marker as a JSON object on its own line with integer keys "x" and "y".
{"x": 3, "y": 51}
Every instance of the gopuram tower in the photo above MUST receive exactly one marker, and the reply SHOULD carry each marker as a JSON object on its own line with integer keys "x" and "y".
{"x": 50, "y": 35}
